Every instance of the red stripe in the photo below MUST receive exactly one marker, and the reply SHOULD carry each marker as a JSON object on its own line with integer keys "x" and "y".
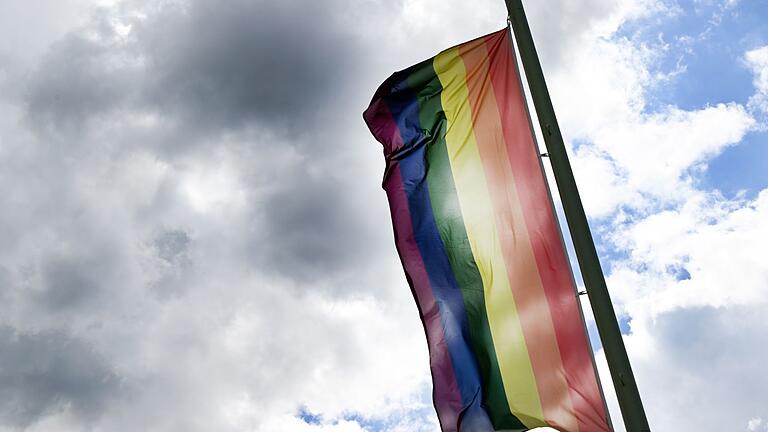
{"x": 545, "y": 238}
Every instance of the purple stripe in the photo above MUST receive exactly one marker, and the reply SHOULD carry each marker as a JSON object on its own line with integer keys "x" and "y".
{"x": 446, "y": 394}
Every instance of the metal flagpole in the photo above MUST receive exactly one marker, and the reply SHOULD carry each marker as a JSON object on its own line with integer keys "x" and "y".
{"x": 615, "y": 353}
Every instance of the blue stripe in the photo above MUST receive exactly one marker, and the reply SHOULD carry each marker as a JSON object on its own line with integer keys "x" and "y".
{"x": 404, "y": 107}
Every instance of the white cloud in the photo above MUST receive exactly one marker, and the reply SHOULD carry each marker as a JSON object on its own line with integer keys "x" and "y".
{"x": 757, "y": 61}
{"x": 704, "y": 253}
{"x": 754, "y": 423}
{"x": 695, "y": 289}
{"x": 655, "y": 152}
{"x": 212, "y": 185}
{"x": 599, "y": 88}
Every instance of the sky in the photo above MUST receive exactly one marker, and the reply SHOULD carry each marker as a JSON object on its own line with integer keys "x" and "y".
{"x": 193, "y": 234}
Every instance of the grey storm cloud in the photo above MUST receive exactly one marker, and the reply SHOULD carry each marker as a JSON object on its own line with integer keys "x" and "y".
{"x": 318, "y": 231}
{"x": 175, "y": 266}
{"x": 220, "y": 68}
{"x": 42, "y": 373}
{"x": 76, "y": 81}
{"x": 276, "y": 63}
{"x": 172, "y": 245}
{"x": 105, "y": 265}
{"x": 67, "y": 284}
{"x": 208, "y": 66}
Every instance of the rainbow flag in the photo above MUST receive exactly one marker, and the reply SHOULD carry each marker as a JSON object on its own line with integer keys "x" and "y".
{"x": 477, "y": 235}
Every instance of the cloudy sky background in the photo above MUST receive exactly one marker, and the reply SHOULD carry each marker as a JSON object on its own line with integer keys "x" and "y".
{"x": 193, "y": 235}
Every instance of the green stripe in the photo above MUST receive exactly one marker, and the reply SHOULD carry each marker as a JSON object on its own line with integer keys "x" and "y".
{"x": 450, "y": 224}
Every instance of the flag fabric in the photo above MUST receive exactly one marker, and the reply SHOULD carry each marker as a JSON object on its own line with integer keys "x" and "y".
{"x": 479, "y": 242}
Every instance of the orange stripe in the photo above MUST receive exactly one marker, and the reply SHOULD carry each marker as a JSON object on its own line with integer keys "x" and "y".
{"x": 522, "y": 271}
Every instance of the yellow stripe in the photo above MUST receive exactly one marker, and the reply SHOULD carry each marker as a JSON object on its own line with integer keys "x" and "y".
{"x": 480, "y": 221}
